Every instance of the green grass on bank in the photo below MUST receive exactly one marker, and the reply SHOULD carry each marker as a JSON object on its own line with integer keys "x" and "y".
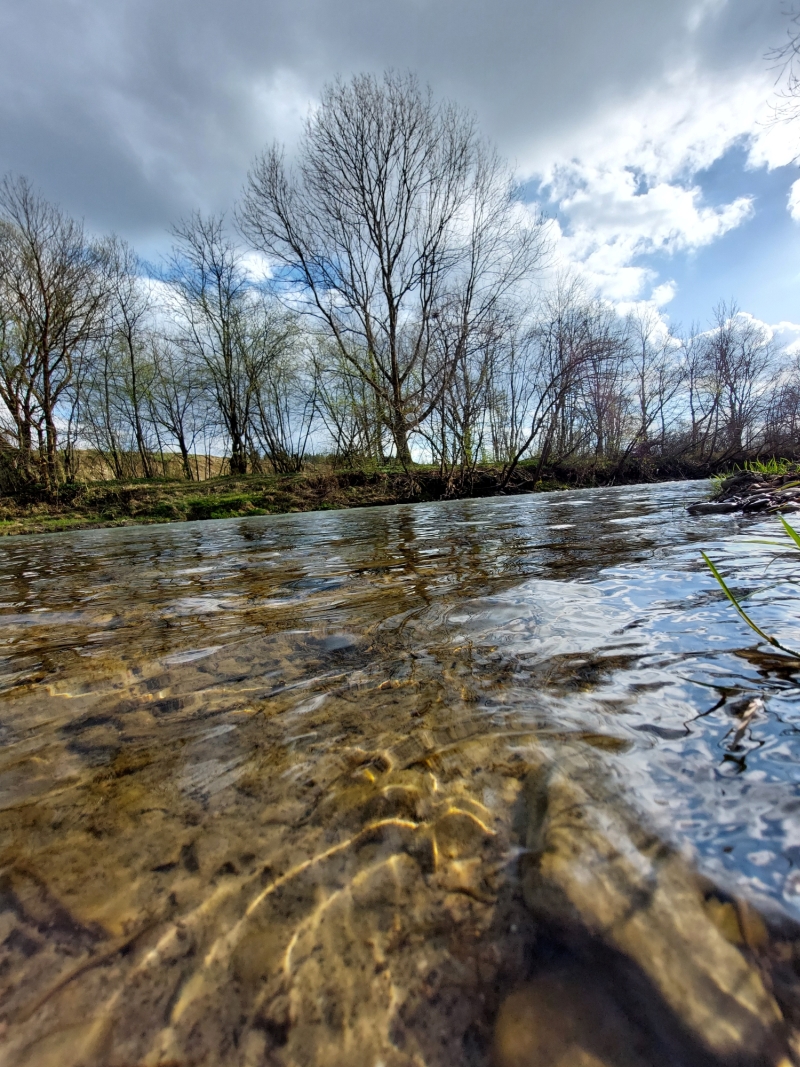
{"x": 766, "y": 469}
{"x": 769, "y": 466}
{"x": 139, "y": 501}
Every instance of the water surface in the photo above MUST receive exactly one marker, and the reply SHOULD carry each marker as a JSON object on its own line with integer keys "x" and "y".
{"x": 252, "y": 765}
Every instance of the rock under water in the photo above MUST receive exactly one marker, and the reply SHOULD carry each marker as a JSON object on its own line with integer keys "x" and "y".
{"x": 662, "y": 969}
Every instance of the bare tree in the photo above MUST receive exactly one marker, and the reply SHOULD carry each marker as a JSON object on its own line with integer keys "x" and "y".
{"x": 656, "y": 375}
{"x": 399, "y": 232}
{"x": 782, "y": 415}
{"x": 738, "y": 352}
{"x": 234, "y": 333}
{"x": 283, "y": 391}
{"x": 700, "y": 406}
{"x": 130, "y": 310}
{"x": 603, "y": 388}
{"x": 785, "y": 59}
{"x": 460, "y": 432}
{"x": 101, "y": 381}
{"x": 397, "y": 213}
{"x": 555, "y": 375}
{"x": 18, "y": 384}
{"x": 53, "y": 297}
{"x": 347, "y": 406}
{"x": 208, "y": 277}
{"x": 178, "y": 400}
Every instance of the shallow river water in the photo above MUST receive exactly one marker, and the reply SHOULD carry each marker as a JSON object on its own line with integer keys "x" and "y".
{"x": 262, "y": 782}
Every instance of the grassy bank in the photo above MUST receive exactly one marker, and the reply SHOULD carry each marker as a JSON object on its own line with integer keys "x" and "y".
{"x": 139, "y": 502}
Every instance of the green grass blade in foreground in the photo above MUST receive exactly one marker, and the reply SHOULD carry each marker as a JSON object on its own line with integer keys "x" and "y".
{"x": 764, "y": 541}
{"x": 735, "y": 602}
{"x": 753, "y": 626}
{"x": 791, "y": 532}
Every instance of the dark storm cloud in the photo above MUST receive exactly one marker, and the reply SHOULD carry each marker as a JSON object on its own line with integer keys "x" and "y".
{"x": 132, "y": 112}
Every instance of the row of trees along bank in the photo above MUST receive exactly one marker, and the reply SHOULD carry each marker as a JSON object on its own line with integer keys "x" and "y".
{"x": 403, "y": 317}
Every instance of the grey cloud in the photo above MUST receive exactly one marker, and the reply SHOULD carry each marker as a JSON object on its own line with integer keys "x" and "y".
{"x": 133, "y": 112}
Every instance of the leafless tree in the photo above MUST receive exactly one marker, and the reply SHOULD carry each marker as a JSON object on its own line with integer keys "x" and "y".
{"x": 396, "y": 214}
{"x": 603, "y": 389}
{"x": 234, "y": 333}
{"x": 399, "y": 232}
{"x": 178, "y": 402}
{"x": 348, "y": 408}
{"x": 283, "y": 390}
{"x": 699, "y": 406}
{"x": 459, "y": 430}
{"x": 53, "y": 297}
{"x": 782, "y": 416}
{"x": 130, "y": 309}
{"x": 102, "y": 385}
{"x": 556, "y": 378}
{"x": 738, "y": 353}
{"x": 112, "y": 381}
{"x": 785, "y": 59}
{"x": 656, "y": 373}
{"x": 18, "y": 386}
{"x": 208, "y": 277}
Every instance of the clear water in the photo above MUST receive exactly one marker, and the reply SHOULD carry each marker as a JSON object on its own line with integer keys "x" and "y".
{"x": 230, "y": 748}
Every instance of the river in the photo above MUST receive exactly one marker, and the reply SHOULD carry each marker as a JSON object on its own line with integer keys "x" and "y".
{"x": 261, "y": 780}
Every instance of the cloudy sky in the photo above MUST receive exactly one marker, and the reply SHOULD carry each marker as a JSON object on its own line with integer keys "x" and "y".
{"x": 641, "y": 126}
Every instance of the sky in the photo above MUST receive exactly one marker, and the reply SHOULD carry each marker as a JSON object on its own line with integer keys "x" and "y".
{"x": 640, "y": 127}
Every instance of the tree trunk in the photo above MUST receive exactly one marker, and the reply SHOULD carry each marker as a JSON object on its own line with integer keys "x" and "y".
{"x": 187, "y": 465}
{"x": 51, "y": 444}
{"x": 400, "y": 437}
{"x": 238, "y": 462}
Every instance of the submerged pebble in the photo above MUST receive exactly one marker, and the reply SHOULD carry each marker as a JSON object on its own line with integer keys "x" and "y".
{"x": 595, "y": 871}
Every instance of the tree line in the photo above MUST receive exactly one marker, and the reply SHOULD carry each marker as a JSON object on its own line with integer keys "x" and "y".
{"x": 396, "y": 313}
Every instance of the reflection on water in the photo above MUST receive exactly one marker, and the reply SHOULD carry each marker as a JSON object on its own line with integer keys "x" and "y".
{"x": 262, "y": 782}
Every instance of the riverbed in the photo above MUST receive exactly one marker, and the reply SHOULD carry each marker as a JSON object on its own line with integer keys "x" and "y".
{"x": 262, "y": 780}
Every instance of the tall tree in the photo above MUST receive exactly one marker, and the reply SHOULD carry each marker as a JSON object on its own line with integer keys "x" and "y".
{"x": 53, "y": 296}
{"x": 178, "y": 400}
{"x": 396, "y": 215}
{"x": 738, "y": 354}
{"x": 208, "y": 277}
{"x": 655, "y": 373}
{"x": 553, "y": 378}
{"x": 129, "y": 335}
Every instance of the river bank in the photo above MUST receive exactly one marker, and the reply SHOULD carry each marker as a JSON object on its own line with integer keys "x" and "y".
{"x": 754, "y": 491}
{"x": 138, "y": 502}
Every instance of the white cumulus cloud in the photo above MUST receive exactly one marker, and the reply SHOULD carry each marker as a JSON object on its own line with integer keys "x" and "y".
{"x": 628, "y": 184}
{"x": 794, "y": 201}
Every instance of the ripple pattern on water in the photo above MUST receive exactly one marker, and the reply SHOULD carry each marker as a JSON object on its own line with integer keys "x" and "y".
{"x": 245, "y": 764}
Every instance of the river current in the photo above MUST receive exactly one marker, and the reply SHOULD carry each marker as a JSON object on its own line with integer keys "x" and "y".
{"x": 248, "y": 766}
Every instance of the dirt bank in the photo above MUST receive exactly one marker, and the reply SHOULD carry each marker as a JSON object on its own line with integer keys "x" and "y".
{"x": 139, "y": 502}
{"x": 754, "y": 491}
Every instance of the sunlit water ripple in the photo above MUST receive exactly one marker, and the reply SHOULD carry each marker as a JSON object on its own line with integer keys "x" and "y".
{"x": 203, "y": 674}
